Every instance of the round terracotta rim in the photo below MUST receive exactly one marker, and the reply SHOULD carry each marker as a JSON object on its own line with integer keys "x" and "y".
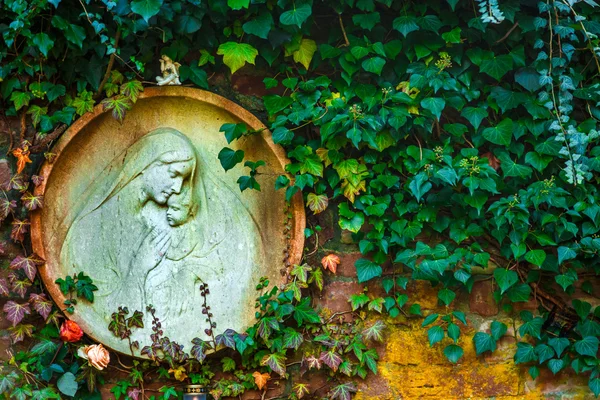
{"x": 295, "y": 242}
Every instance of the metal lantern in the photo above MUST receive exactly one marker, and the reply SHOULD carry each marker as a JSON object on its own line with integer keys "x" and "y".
{"x": 195, "y": 392}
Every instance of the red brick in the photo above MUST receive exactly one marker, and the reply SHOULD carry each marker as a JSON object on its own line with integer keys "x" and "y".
{"x": 346, "y": 267}
{"x": 481, "y": 300}
{"x": 335, "y": 298}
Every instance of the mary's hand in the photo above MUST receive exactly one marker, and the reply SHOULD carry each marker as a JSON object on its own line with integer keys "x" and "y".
{"x": 151, "y": 252}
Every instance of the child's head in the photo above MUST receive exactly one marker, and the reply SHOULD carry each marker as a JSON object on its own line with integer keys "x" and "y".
{"x": 180, "y": 207}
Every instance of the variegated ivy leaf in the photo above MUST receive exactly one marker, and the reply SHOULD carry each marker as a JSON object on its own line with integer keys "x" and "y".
{"x": 27, "y": 264}
{"x": 15, "y": 312}
{"x": 276, "y": 362}
{"x": 375, "y": 331}
{"x": 41, "y": 304}
{"x": 331, "y": 358}
{"x": 343, "y": 391}
{"x": 18, "y": 333}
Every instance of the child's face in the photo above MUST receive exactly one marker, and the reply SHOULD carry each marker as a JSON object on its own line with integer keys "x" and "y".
{"x": 177, "y": 214}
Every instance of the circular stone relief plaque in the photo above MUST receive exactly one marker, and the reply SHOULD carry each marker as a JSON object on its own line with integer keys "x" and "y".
{"x": 145, "y": 209}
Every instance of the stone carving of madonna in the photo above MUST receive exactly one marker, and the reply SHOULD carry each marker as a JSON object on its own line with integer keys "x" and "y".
{"x": 152, "y": 227}
{"x": 144, "y": 208}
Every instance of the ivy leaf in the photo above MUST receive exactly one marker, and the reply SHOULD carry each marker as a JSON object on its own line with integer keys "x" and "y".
{"x": 594, "y": 384}
{"x": 41, "y": 304}
{"x": 304, "y": 312}
{"x": 483, "y": 342}
{"x": 367, "y": 270}
{"x": 375, "y": 331}
{"x": 305, "y": 52}
{"x": 276, "y": 362}
{"x": 453, "y": 353}
{"x": 588, "y": 346}
{"x": 15, "y": 312}
{"x": 196, "y": 74}
{"x": 474, "y": 115}
{"x": 119, "y": 106}
{"x": 292, "y": 339}
{"x": 83, "y": 103}
{"x": 260, "y": 26}
{"x": 497, "y": 67}
{"x": 43, "y": 42}
{"x": 4, "y": 291}
{"x": 296, "y": 16}
{"x": 447, "y": 296}
{"x": 317, "y": 203}
{"x": 67, "y": 384}
{"x": 374, "y": 65}
{"x": 19, "y": 332}
{"x": 405, "y": 25}
{"x": 230, "y": 158}
{"x": 20, "y": 99}
{"x": 498, "y": 329}
{"x": 136, "y": 320}
{"x": 435, "y": 105}
{"x": 198, "y": 350}
{"x": 274, "y": 103}
{"x": 331, "y": 359}
{"x": 559, "y": 345}
{"x": 226, "y": 339}
{"x": 146, "y": 8}
{"x": 260, "y": 380}
{"x": 500, "y": 134}
{"x": 73, "y": 33}
{"x": 330, "y": 262}
{"x": 435, "y": 335}
{"x": 132, "y": 89}
{"x": 7, "y": 382}
{"x": 27, "y": 264}
{"x": 505, "y": 278}
{"x": 236, "y": 55}
{"x": 536, "y": 257}
{"x": 525, "y": 353}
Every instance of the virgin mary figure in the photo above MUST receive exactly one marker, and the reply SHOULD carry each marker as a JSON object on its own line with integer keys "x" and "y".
{"x": 112, "y": 236}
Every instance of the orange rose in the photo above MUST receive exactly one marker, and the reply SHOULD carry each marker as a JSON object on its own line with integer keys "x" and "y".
{"x": 96, "y": 355}
{"x": 70, "y": 332}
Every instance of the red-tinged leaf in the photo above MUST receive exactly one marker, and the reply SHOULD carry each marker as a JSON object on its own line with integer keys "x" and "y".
{"x": 27, "y": 264}
{"x": 6, "y": 207}
{"x": 374, "y": 332}
{"x": 317, "y": 202}
{"x": 20, "y": 287}
{"x": 261, "y": 379}
{"x": 313, "y": 362}
{"x": 331, "y": 359}
{"x": 4, "y": 291}
{"x": 32, "y": 202}
{"x": 199, "y": 349}
{"x": 134, "y": 393}
{"x": 18, "y": 333}
{"x": 276, "y": 362}
{"x": 41, "y": 304}
{"x": 18, "y": 182}
{"x": 330, "y": 262}
{"x": 19, "y": 229}
{"x": 22, "y": 155}
{"x": 343, "y": 392}
{"x": 226, "y": 339}
{"x": 37, "y": 180}
{"x": 15, "y": 312}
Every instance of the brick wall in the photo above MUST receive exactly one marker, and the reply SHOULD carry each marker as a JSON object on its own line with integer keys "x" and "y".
{"x": 408, "y": 368}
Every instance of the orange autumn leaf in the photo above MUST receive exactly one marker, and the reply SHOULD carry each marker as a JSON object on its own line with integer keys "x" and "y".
{"x": 330, "y": 262}
{"x": 178, "y": 373}
{"x": 261, "y": 379}
{"x": 22, "y": 157}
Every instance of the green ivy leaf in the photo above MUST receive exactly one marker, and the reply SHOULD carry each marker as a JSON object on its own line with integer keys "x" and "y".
{"x": 236, "y": 55}
{"x": 505, "y": 278}
{"x": 238, "y": 4}
{"x": 435, "y": 105}
{"x": 374, "y": 65}
{"x": 305, "y": 52}
{"x": 20, "y": 99}
{"x": 43, "y": 42}
{"x": 453, "y": 353}
{"x": 405, "y": 25}
{"x": 525, "y": 353}
{"x": 367, "y": 270}
{"x": 260, "y": 26}
{"x": 588, "y": 346}
{"x": 536, "y": 257}
{"x": 435, "y": 335}
{"x": 497, "y": 67}
{"x": 296, "y": 16}
{"x": 230, "y": 158}
{"x": 500, "y": 134}
{"x": 483, "y": 342}
{"x": 146, "y": 8}
{"x": 474, "y": 115}
{"x": 67, "y": 384}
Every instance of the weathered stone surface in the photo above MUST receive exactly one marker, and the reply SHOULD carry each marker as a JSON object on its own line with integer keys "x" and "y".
{"x": 146, "y": 210}
{"x": 481, "y": 299}
{"x": 335, "y": 298}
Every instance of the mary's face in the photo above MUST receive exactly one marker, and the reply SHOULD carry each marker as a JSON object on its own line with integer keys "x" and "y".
{"x": 162, "y": 180}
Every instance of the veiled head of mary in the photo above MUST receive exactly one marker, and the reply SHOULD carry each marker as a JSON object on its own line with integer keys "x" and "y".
{"x": 165, "y": 176}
